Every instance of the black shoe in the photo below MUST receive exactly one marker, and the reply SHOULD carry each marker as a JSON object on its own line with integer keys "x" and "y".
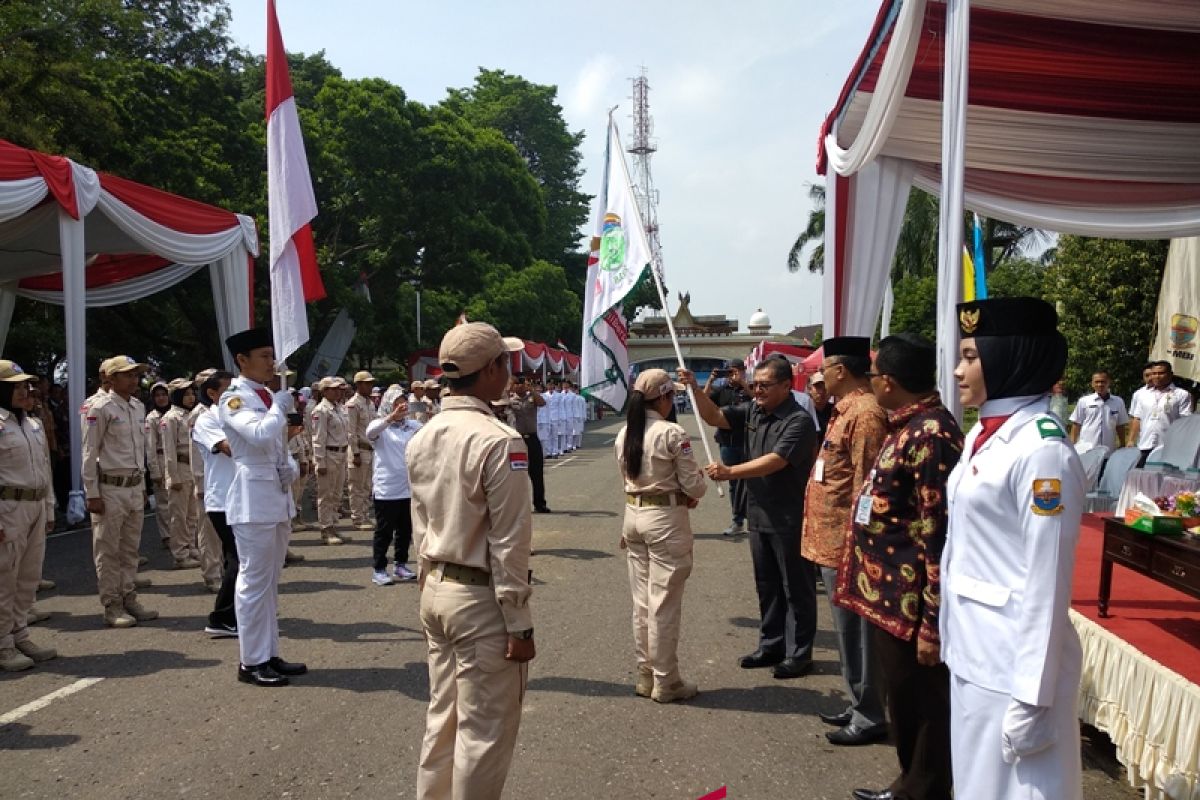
{"x": 221, "y": 630}
{"x": 792, "y": 668}
{"x": 542, "y": 510}
{"x": 852, "y": 735}
{"x": 261, "y": 675}
{"x": 867, "y": 794}
{"x": 759, "y": 659}
{"x": 837, "y": 720}
{"x": 287, "y": 667}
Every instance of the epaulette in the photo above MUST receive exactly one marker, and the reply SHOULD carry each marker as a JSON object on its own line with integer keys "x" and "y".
{"x": 1049, "y": 428}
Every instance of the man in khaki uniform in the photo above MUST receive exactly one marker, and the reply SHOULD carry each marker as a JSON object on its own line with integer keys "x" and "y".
{"x": 175, "y": 438}
{"x": 329, "y": 443}
{"x": 160, "y": 398}
{"x": 473, "y": 529}
{"x": 212, "y": 554}
{"x": 114, "y": 463}
{"x": 359, "y": 413}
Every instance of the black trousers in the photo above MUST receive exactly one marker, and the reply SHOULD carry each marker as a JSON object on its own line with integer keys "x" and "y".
{"x": 534, "y": 445}
{"x": 393, "y": 528}
{"x": 918, "y": 701}
{"x": 787, "y": 594}
{"x": 222, "y": 613}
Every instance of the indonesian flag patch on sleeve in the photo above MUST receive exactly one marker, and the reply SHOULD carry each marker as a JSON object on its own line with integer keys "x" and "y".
{"x": 686, "y": 447}
{"x": 518, "y": 461}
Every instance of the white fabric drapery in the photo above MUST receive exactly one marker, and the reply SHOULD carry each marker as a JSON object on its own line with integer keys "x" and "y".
{"x": 116, "y": 294}
{"x": 18, "y": 197}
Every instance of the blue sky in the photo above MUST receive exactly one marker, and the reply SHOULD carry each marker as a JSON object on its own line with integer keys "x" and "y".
{"x": 737, "y": 91}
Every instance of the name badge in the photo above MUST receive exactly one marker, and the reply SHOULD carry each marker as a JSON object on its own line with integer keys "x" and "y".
{"x": 818, "y": 473}
{"x": 862, "y": 514}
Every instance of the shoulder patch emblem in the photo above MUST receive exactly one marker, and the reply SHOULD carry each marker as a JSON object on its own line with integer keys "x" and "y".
{"x": 686, "y": 447}
{"x": 1047, "y": 497}
{"x": 234, "y": 403}
{"x": 518, "y": 461}
{"x": 1050, "y": 429}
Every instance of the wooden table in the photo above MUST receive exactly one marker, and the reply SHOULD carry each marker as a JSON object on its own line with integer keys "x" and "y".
{"x": 1171, "y": 560}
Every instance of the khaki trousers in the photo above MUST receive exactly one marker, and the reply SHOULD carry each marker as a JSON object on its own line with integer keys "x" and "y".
{"x": 21, "y": 554}
{"x": 298, "y": 499}
{"x": 115, "y": 537}
{"x": 212, "y": 555}
{"x": 475, "y": 694}
{"x": 181, "y": 509}
{"x": 162, "y": 516}
{"x": 329, "y": 491}
{"x": 359, "y": 479}
{"x": 659, "y": 544}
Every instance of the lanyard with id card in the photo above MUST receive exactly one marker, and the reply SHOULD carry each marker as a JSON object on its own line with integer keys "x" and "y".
{"x": 862, "y": 510}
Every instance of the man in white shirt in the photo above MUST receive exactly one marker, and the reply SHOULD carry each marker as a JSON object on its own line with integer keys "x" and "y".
{"x": 392, "y": 494}
{"x": 1099, "y": 418}
{"x": 1156, "y": 408}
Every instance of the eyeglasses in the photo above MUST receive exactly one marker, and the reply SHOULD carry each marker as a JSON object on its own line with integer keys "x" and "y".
{"x": 763, "y": 386}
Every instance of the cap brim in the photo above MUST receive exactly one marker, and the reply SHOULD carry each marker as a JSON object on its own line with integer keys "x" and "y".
{"x": 512, "y": 344}
{"x": 19, "y": 378}
{"x": 130, "y": 368}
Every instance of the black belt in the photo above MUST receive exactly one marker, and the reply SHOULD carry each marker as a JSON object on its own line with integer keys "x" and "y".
{"x": 334, "y": 449}
{"x": 460, "y": 573}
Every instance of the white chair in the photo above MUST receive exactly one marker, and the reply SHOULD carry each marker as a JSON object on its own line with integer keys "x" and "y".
{"x": 1092, "y": 459}
{"x": 1181, "y": 445}
{"x": 1113, "y": 482}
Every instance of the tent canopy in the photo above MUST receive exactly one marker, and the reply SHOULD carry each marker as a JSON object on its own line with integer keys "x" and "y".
{"x": 535, "y": 357}
{"x": 1080, "y": 116}
{"x": 77, "y": 237}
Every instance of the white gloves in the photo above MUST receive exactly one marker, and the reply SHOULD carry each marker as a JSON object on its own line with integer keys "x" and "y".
{"x": 1026, "y": 730}
{"x": 283, "y": 399}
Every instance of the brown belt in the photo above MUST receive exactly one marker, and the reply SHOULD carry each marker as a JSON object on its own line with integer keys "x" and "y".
{"x": 458, "y": 573}
{"x": 183, "y": 453}
{"x": 365, "y": 447}
{"x": 121, "y": 480}
{"x": 667, "y": 499}
{"x": 334, "y": 449}
{"x": 17, "y": 493}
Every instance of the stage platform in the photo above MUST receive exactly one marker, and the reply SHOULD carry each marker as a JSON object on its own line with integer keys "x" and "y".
{"x": 1141, "y": 671}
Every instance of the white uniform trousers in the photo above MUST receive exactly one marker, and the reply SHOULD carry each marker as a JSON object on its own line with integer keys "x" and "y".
{"x": 545, "y": 437}
{"x": 261, "y": 548}
{"x": 976, "y": 723}
{"x": 577, "y": 433}
{"x": 475, "y": 694}
{"x": 558, "y": 428}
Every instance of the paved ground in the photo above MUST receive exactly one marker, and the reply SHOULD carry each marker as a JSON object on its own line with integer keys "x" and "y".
{"x": 155, "y": 711}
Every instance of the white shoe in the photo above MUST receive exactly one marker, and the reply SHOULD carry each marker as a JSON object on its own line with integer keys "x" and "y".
{"x": 382, "y": 579}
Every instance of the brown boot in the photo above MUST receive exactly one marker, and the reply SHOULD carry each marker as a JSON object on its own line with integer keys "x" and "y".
{"x": 138, "y": 611}
{"x": 38, "y": 654}
{"x": 645, "y": 683}
{"x": 12, "y": 660}
{"x": 679, "y": 690}
{"x": 115, "y": 616}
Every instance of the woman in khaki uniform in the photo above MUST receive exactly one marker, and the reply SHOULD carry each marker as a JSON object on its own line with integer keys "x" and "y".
{"x": 176, "y": 442}
{"x": 26, "y": 515}
{"x": 662, "y": 481}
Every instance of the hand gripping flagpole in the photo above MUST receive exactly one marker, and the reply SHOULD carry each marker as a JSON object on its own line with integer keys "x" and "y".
{"x": 662, "y": 298}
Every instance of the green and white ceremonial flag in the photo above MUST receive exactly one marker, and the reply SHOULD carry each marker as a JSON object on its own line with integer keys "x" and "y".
{"x": 620, "y": 254}
{"x": 1177, "y": 323}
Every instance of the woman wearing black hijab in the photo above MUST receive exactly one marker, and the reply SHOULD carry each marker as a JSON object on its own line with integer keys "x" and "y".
{"x": 1015, "y": 501}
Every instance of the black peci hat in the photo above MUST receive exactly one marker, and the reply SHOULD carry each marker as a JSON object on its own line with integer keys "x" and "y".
{"x": 248, "y": 340}
{"x": 1007, "y": 316}
{"x": 852, "y": 346}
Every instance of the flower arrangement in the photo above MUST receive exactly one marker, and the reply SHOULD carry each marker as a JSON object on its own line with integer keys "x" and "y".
{"x": 1182, "y": 504}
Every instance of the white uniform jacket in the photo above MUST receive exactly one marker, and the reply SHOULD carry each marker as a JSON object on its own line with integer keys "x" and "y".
{"x": 219, "y": 468}
{"x": 1014, "y": 512}
{"x": 261, "y": 490}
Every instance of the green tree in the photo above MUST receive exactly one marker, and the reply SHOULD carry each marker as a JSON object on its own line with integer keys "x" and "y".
{"x": 530, "y": 118}
{"x": 1106, "y": 291}
{"x": 813, "y": 233}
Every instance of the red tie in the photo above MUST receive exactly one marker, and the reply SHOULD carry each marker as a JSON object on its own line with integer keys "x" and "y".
{"x": 264, "y": 395}
{"x": 990, "y": 426}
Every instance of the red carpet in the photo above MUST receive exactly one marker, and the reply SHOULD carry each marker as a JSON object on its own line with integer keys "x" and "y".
{"x": 1161, "y": 622}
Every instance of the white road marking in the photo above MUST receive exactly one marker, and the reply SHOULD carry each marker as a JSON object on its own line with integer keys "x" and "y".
{"x": 42, "y": 702}
{"x": 610, "y": 440}
{"x": 567, "y": 461}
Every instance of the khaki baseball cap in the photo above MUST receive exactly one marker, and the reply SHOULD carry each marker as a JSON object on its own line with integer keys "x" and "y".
{"x": 654, "y": 383}
{"x": 11, "y": 372}
{"x": 362, "y": 376}
{"x": 338, "y": 382}
{"x": 178, "y": 383}
{"x": 324, "y": 384}
{"x": 203, "y": 375}
{"x": 123, "y": 364}
{"x": 433, "y": 383}
{"x": 470, "y": 347}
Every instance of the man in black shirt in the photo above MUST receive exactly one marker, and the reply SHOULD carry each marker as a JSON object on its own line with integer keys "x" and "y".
{"x": 730, "y": 391}
{"x": 780, "y": 441}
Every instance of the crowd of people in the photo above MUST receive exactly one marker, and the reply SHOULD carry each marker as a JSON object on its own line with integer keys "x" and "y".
{"x": 946, "y": 558}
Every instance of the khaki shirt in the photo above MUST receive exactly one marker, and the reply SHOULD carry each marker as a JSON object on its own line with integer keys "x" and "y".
{"x": 195, "y": 454}
{"x": 667, "y": 461}
{"x": 359, "y": 413}
{"x": 153, "y": 445}
{"x": 114, "y": 440}
{"x": 470, "y": 500}
{"x": 329, "y": 430}
{"x": 25, "y": 458}
{"x": 175, "y": 436}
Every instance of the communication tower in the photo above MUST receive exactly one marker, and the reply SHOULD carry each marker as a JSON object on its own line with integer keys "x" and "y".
{"x": 642, "y": 147}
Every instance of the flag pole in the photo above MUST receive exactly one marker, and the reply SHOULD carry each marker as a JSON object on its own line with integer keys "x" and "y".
{"x": 662, "y": 298}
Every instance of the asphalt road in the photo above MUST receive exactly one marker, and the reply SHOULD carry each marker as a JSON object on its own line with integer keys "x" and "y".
{"x": 156, "y": 712}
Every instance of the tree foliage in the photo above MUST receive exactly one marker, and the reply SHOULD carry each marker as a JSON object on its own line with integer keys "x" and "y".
{"x": 1106, "y": 291}
{"x": 473, "y": 202}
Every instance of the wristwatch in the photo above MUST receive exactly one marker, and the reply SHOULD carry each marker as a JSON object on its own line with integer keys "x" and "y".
{"x": 525, "y": 634}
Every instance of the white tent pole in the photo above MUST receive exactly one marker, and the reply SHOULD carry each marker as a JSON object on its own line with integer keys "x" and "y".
{"x": 8, "y": 301}
{"x": 950, "y": 220}
{"x": 71, "y": 243}
{"x": 662, "y": 298}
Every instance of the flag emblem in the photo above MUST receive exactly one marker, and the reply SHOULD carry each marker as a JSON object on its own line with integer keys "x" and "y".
{"x": 1047, "y": 497}
{"x": 518, "y": 461}
{"x": 612, "y": 245}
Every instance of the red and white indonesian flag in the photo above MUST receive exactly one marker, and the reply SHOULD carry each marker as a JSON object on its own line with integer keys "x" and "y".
{"x": 620, "y": 254}
{"x": 295, "y": 277}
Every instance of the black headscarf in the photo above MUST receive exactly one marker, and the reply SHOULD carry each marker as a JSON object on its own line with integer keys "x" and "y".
{"x": 1019, "y": 345}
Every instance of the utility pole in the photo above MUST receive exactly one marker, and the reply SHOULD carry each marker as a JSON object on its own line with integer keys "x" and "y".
{"x": 642, "y": 147}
